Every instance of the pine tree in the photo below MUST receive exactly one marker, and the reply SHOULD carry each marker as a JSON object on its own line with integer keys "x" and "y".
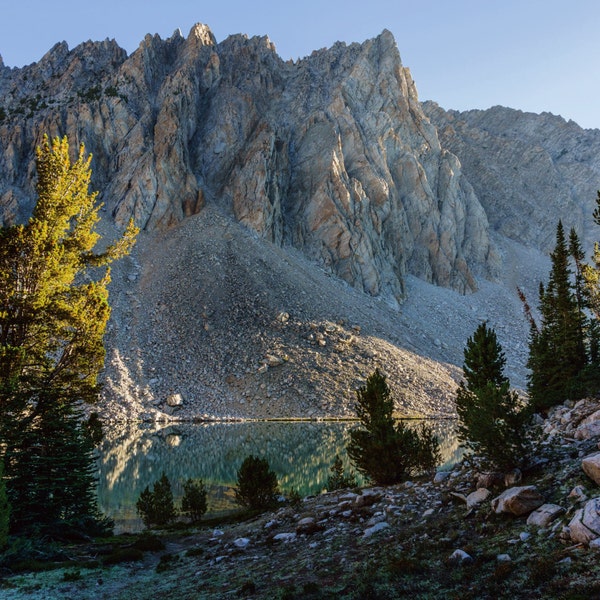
{"x": 381, "y": 450}
{"x": 591, "y": 272}
{"x": 156, "y": 507}
{"x": 257, "y": 484}
{"x": 557, "y": 352}
{"x": 338, "y": 480}
{"x": 53, "y": 314}
{"x": 493, "y": 422}
{"x": 193, "y": 503}
{"x": 484, "y": 359}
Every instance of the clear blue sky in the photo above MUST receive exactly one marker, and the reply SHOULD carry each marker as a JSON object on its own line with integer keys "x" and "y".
{"x": 534, "y": 55}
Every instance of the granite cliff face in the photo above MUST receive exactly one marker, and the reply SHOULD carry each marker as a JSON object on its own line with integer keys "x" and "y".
{"x": 527, "y": 170}
{"x": 255, "y": 180}
{"x": 331, "y": 154}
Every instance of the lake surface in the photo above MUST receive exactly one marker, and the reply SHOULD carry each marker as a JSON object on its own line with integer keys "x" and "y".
{"x": 301, "y": 453}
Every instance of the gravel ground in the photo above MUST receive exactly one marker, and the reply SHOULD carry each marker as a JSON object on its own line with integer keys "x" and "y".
{"x": 211, "y": 322}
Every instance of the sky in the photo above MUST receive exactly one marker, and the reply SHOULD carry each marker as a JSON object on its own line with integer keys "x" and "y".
{"x": 532, "y": 55}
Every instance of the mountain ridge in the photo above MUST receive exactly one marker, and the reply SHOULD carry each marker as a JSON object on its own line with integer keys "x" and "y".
{"x": 330, "y": 173}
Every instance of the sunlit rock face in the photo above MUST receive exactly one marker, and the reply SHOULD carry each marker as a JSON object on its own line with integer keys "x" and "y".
{"x": 331, "y": 154}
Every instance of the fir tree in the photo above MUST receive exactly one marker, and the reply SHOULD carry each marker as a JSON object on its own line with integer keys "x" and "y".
{"x": 257, "y": 484}
{"x": 156, "y": 507}
{"x": 193, "y": 503}
{"x": 493, "y": 422}
{"x": 338, "y": 480}
{"x": 383, "y": 451}
{"x": 557, "y": 351}
{"x": 484, "y": 359}
{"x": 53, "y": 314}
{"x": 591, "y": 272}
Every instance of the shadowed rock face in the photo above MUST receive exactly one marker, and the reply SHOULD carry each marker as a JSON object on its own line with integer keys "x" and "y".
{"x": 527, "y": 170}
{"x": 331, "y": 154}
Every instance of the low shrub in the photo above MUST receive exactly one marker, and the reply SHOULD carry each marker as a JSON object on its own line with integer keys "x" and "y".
{"x": 149, "y": 543}
{"x": 166, "y": 562}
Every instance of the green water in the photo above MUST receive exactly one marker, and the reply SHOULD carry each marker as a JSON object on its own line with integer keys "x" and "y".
{"x": 300, "y": 453}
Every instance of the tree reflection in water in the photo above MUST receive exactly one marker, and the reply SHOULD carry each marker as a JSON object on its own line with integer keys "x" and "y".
{"x": 133, "y": 456}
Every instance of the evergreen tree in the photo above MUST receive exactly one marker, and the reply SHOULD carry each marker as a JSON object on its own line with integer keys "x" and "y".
{"x": 193, "y": 502}
{"x": 383, "y": 451}
{"x": 591, "y": 272}
{"x": 53, "y": 314}
{"x": 484, "y": 359}
{"x": 493, "y": 422}
{"x": 338, "y": 480}
{"x": 557, "y": 352}
{"x": 156, "y": 507}
{"x": 257, "y": 484}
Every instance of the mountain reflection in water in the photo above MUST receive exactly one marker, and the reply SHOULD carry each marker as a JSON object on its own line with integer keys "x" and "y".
{"x": 133, "y": 456}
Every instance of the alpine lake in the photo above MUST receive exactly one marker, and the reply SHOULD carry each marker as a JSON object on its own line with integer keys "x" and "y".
{"x": 301, "y": 453}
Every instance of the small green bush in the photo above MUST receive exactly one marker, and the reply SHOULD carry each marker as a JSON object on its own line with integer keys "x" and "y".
{"x": 156, "y": 507}
{"x": 257, "y": 484}
{"x": 294, "y": 497}
{"x": 248, "y": 588}
{"x": 167, "y": 562}
{"x": 338, "y": 480}
{"x": 193, "y": 503}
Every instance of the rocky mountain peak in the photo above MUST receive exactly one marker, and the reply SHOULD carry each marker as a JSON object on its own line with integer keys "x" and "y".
{"x": 331, "y": 154}
{"x": 202, "y": 35}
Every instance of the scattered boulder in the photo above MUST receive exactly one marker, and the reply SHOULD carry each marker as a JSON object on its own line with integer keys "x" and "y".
{"x": 460, "y": 556}
{"x": 544, "y": 515}
{"x": 577, "y": 494}
{"x": 518, "y": 500}
{"x": 477, "y": 497}
{"x": 513, "y": 478}
{"x": 595, "y": 544}
{"x": 490, "y": 480}
{"x": 585, "y": 525}
{"x": 308, "y": 526}
{"x": 367, "y": 498}
{"x": 441, "y": 476}
{"x": 591, "y": 466}
{"x": 375, "y": 528}
{"x": 273, "y": 361}
{"x": 589, "y": 427}
{"x": 175, "y": 400}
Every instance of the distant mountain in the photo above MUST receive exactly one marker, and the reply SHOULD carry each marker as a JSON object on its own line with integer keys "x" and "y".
{"x": 527, "y": 170}
{"x": 295, "y": 171}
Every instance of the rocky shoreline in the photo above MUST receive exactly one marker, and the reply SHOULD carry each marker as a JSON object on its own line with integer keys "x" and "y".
{"x": 464, "y": 532}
